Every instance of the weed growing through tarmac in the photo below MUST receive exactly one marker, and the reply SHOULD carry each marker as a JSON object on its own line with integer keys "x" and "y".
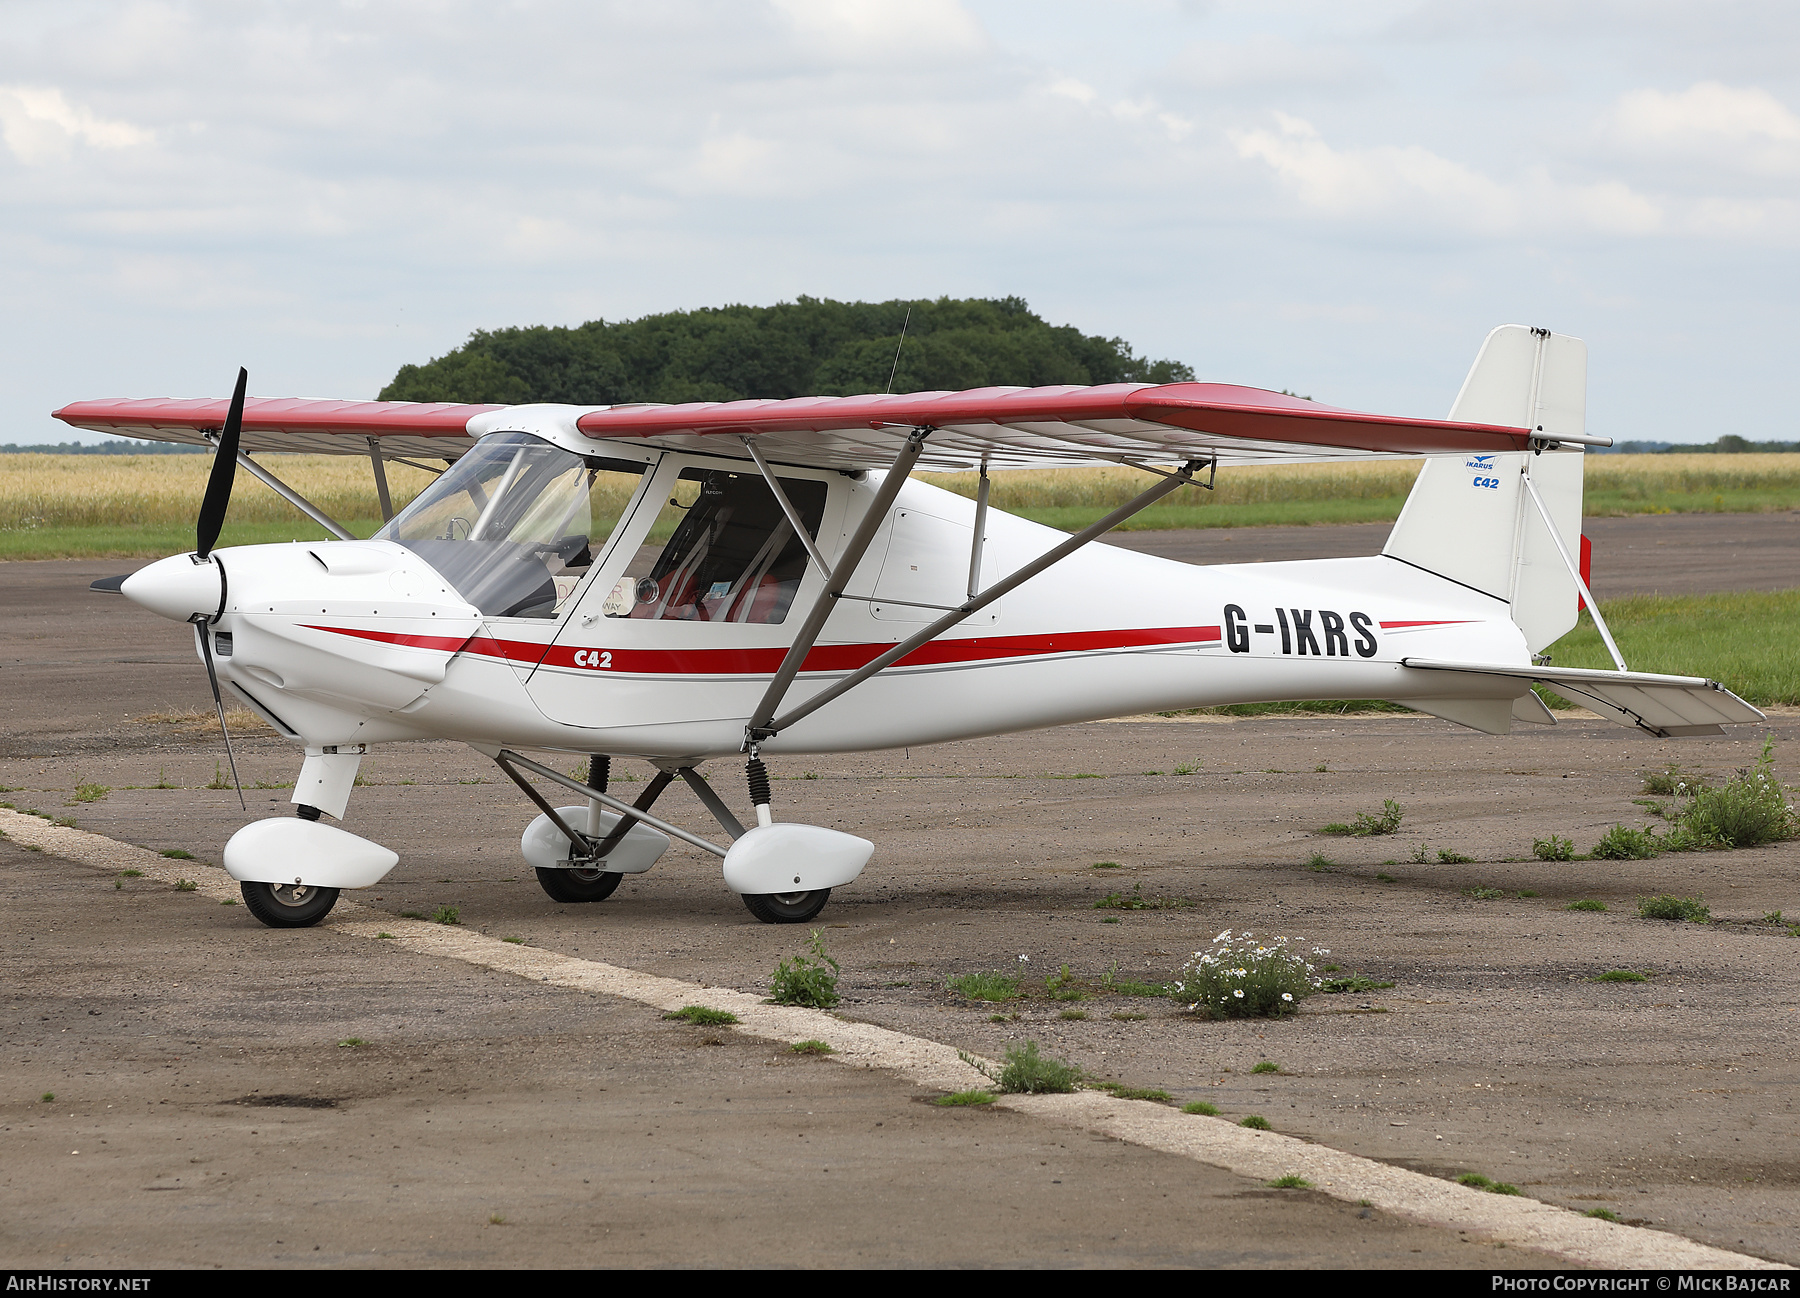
{"x": 447, "y": 915}
{"x": 962, "y": 1099}
{"x": 186, "y": 885}
{"x": 1673, "y": 782}
{"x": 497, "y": 1219}
{"x": 1621, "y": 843}
{"x": 811, "y": 1047}
{"x": 177, "y": 854}
{"x": 1484, "y": 894}
{"x": 1365, "y": 825}
{"x": 989, "y": 985}
{"x": 1290, "y": 1182}
{"x": 1621, "y": 976}
{"x": 1476, "y": 1181}
{"x": 1553, "y": 848}
{"x": 1690, "y": 910}
{"x": 1421, "y": 855}
{"x": 1448, "y": 857}
{"x": 1135, "y": 900}
{"x": 516, "y": 941}
{"x": 1106, "y": 865}
{"x": 702, "y": 1016}
{"x": 1386, "y": 878}
{"x": 351, "y": 1043}
{"x": 218, "y": 780}
{"x": 1748, "y": 810}
{"x": 386, "y": 936}
{"x": 1064, "y": 986}
{"x": 162, "y": 779}
{"x": 1586, "y": 903}
{"x": 48, "y": 1097}
{"x": 89, "y": 793}
{"x": 1238, "y": 977}
{"x": 229, "y": 901}
{"x": 1604, "y": 1214}
{"x": 1256, "y": 1122}
{"x": 811, "y": 983}
{"x": 1267, "y": 1066}
{"x": 1202, "y": 1108}
{"x": 1773, "y": 917}
{"x": 131, "y": 874}
{"x": 1111, "y": 983}
{"x": 1026, "y": 1072}
{"x": 1319, "y": 862}
{"x": 1073, "y": 1016}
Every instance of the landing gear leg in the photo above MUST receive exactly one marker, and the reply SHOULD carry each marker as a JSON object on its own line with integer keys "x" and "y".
{"x": 776, "y": 907}
{"x": 591, "y": 884}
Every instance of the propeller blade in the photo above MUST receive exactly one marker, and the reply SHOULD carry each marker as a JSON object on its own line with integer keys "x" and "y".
{"x": 114, "y": 585}
{"x": 212, "y": 676}
{"x": 224, "y": 473}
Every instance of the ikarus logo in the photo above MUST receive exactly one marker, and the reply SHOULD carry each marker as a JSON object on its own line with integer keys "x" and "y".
{"x": 1485, "y": 469}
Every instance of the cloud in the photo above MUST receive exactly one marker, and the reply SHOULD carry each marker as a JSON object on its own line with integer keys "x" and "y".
{"x": 39, "y": 125}
{"x": 1414, "y": 185}
{"x": 1747, "y": 129}
{"x": 880, "y": 29}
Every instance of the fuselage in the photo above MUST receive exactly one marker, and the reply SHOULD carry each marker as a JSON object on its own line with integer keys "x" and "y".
{"x": 351, "y": 642}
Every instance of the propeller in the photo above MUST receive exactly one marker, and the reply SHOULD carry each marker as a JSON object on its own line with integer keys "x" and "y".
{"x": 206, "y": 533}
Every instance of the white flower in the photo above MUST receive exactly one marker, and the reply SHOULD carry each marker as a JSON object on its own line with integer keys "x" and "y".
{"x": 1239, "y": 993}
{"x": 1221, "y": 937}
{"x": 1286, "y": 997}
{"x": 1024, "y": 959}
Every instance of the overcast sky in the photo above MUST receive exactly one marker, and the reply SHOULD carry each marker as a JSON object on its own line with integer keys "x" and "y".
{"x": 1336, "y": 197}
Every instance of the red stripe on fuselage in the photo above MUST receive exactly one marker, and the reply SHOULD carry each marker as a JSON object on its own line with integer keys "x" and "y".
{"x": 823, "y": 658}
{"x": 1395, "y": 626}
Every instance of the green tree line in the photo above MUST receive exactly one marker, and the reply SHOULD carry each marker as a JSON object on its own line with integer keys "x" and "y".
{"x": 809, "y": 347}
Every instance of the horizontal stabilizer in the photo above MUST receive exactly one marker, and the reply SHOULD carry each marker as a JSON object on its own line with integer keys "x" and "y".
{"x": 1666, "y": 706}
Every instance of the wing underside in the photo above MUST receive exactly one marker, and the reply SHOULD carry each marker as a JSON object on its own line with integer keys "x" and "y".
{"x": 1001, "y": 427}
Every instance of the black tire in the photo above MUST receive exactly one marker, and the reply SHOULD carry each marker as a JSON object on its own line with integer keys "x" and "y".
{"x": 578, "y": 885}
{"x": 287, "y": 905}
{"x": 786, "y": 907}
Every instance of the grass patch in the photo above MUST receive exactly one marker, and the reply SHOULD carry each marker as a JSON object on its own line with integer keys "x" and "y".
{"x": 1073, "y": 1016}
{"x": 990, "y": 985}
{"x": 177, "y": 854}
{"x": 702, "y": 1016}
{"x": 1352, "y": 983}
{"x": 1484, "y": 894}
{"x": 1111, "y": 983}
{"x": 1135, "y": 900}
{"x": 1621, "y": 976}
{"x": 138, "y": 874}
{"x": 1365, "y": 825}
{"x": 1105, "y": 865}
{"x": 1319, "y": 862}
{"x": 1026, "y": 1072}
{"x": 1267, "y": 1066}
{"x": 1202, "y": 1108}
{"x": 89, "y": 793}
{"x": 1739, "y": 638}
{"x": 1120, "y": 1091}
{"x": 811, "y": 1048}
{"x": 186, "y": 885}
{"x": 1448, "y": 857}
{"x": 1688, "y": 910}
{"x": 1673, "y": 782}
{"x": 1256, "y": 1122}
{"x": 1064, "y": 986}
{"x": 964, "y": 1099}
{"x": 1289, "y": 1182}
{"x": 1386, "y": 878}
{"x": 447, "y": 915}
{"x": 808, "y": 982}
{"x": 1604, "y": 1214}
{"x": 352, "y": 1043}
{"x": 516, "y": 941}
{"x": 1621, "y": 843}
{"x": 412, "y": 914}
{"x": 1586, "y": 903}
{"x": 1476, "y": 1181}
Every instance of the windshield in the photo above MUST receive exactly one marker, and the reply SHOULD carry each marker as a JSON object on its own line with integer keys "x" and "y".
{"x": 515, "y": 523}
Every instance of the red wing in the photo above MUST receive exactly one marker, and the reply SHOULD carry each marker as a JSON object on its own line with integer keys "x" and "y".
{"x": 411, "y": 428}
{"x": 1013, "y": 427}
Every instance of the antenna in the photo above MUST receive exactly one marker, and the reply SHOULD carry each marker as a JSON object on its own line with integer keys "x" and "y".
{"x": 896, "y": 369}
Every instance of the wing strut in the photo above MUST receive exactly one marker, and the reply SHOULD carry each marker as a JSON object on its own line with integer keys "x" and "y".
{"x": 759, "y": 727}
{"x": 763, "y": 727}
{"x": 288, "y": 494}
{"x": 1574, "y": 568}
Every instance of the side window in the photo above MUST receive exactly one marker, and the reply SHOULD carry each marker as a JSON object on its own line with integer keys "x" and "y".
{"x": 721, "y": 550}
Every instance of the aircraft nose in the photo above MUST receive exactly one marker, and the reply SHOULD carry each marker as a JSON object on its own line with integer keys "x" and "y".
{"x": 178, "y": 587}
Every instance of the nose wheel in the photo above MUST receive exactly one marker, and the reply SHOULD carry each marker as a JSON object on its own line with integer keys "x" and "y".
{"x": 578, "y": 885}
{"x": 288, "y": 905}
{"x": 786, "y": 907}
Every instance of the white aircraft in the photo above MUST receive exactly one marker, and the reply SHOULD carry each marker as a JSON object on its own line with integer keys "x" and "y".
{"x": 775, "y": 583}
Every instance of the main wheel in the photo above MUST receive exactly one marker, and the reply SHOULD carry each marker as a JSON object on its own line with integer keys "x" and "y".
{"x": 578, "y": 885}
{"x": 786, "y": 907}
{"x": 288, "y": 905}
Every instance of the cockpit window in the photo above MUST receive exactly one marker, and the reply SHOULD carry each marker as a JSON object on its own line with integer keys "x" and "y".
{"x": 515, "y": 523}
{"x": 721, "y": 550}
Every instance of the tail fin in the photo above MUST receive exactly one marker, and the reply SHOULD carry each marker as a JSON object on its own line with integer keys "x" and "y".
{"x": 1469, "y": 518}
